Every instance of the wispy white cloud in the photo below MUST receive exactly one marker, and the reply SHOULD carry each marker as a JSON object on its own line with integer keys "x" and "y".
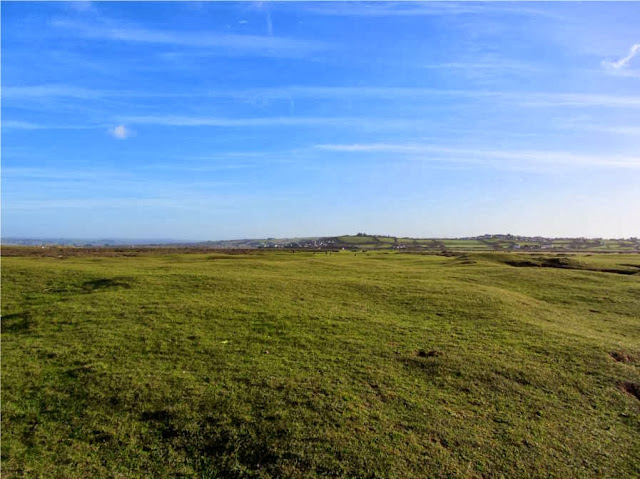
{"x": 410, "y": 8}
{"x": 197, "y": 121}
{"x": 63, "y": 91}
{"x": 47, "y": 91}
{"x": 522, "y": 98}
{"x": 628, "y": 72}
{"x": 226, "y": 43}
{"x": 575, "y": 100}
{"x": 492, "y": 65}
{"x": 28, "y": 125}
{"x": 375, "y": 147}
{"x": 132, "y": 179}
{"x": 623, "y": 62}
{"x": 620, "y": 130}
{"x": 480, "y": 155}
{"x": 92, "y": 203}
{"x": 184, "y": 197}
{"x": 208, "y": 168}
{"x": 81, "y": 6}
{"x": 175, "y": 120}
{"x": 56, "y": 174}
{"x": 590, "y": 124}
{"x": 20, "y": 125}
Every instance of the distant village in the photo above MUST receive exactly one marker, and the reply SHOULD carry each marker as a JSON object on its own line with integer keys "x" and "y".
{"x": 499, "y": 242}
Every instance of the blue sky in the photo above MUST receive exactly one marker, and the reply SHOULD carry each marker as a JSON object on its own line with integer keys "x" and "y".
{"x": 202, "y": 120}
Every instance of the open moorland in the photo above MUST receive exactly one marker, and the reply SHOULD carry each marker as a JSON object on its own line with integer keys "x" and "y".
{"x": 319, "y": 364}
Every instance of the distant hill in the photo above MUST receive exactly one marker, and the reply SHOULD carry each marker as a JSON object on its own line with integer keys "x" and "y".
{"x": 363, "y": 241}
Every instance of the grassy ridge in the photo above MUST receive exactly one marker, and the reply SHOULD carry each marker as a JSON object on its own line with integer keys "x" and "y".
{"x": 274, "y": 364}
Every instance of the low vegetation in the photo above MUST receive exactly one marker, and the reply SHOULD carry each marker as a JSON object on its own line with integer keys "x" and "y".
{"x": 320, "y": 364}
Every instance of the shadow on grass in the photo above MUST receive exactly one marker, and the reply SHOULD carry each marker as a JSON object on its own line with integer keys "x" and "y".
{"x": 106, "y": 283}
{"x": 16, "y": 322}
{"x": 91, "y": 286}
{"x": 230, "y": 450}
{"x": 430, "y": 365}
{"x": 563, "y": 263}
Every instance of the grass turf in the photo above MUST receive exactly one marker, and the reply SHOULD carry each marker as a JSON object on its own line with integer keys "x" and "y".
{"x": 274, "y": 364}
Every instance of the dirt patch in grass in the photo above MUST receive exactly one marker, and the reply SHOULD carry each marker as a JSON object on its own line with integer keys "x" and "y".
{"x": 431, "y": 363}
{"x": 98, "y": 437}
{"x": 622, "y": 357}
{"x": 632, "y": 389}
{"x": 428, "y": 354}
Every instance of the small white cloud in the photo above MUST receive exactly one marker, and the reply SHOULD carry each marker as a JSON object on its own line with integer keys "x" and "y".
{"x": 623, "y": 62}
{"x": 121, "y": 132}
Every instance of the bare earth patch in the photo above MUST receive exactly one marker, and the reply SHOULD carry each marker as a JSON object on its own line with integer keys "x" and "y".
{"x": 632, "y": 389}
{"x": 622, "y": 357}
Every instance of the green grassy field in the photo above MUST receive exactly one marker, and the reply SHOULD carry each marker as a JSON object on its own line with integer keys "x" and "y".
{"x": 273, "y": 364}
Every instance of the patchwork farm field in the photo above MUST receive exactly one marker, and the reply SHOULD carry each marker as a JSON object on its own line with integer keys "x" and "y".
{"x": 279, "y": 364}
